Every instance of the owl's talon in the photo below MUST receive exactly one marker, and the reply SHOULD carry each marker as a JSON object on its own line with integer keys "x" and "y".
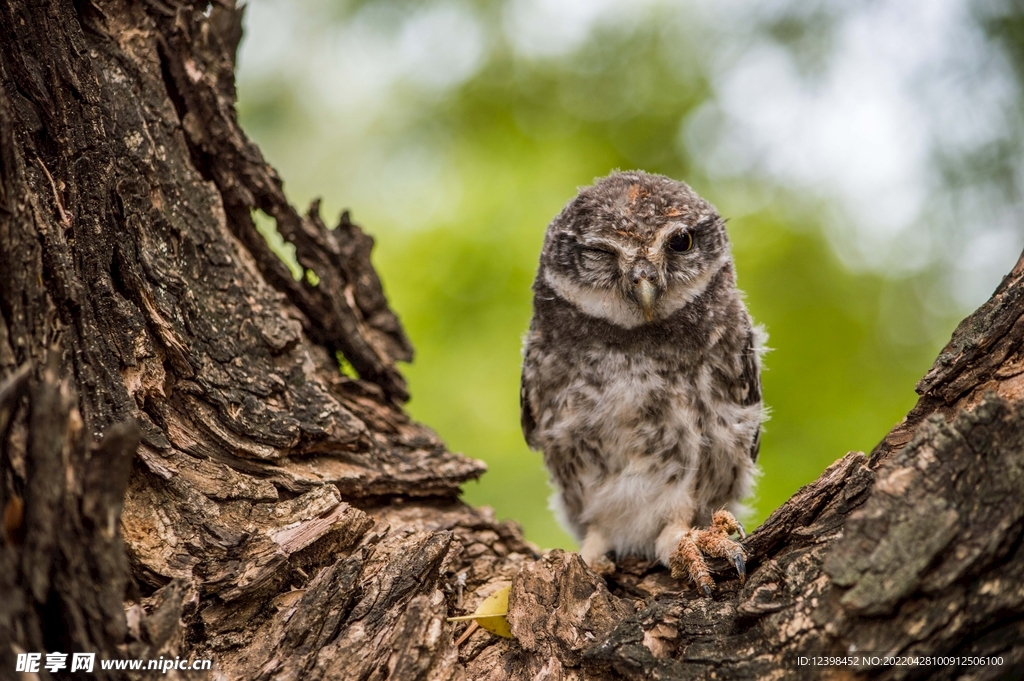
{"x": 741, "y": 567}
{"x": 707, "y": 590}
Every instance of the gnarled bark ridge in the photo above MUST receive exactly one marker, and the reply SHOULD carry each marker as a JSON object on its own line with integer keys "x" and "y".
{"x": 185, "y": 472}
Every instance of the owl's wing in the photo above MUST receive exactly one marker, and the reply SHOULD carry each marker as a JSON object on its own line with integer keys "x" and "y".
{"x": 749, "y": 385}
{"x": 525, "y": 412}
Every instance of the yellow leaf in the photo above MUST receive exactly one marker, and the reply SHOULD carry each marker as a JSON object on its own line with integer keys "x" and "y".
{"x": 492, "y": 614}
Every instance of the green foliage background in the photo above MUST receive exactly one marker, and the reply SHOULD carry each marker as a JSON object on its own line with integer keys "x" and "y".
{"x": 458, "y": 181}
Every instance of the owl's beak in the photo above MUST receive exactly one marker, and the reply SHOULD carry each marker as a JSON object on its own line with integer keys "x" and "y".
{"x": 646, "y": 295}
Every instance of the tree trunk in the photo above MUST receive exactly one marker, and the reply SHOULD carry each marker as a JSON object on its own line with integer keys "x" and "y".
{"x": 184, "y": 471}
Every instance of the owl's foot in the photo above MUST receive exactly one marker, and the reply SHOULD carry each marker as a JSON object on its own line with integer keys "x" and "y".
{"x": 594, "y": 551}
{"x": 688, "y": 558}
{"x": 603, "y": 566}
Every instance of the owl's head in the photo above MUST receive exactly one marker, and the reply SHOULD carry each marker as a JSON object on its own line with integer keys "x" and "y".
{"x": 634, "y": 248}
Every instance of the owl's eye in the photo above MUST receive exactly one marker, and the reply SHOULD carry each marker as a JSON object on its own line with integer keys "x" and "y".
{"x": 596, "y": 252}
{"x": 681, "y": 243}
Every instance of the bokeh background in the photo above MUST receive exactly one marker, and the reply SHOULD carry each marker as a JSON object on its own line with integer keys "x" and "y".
{"x": 868, "y": 155}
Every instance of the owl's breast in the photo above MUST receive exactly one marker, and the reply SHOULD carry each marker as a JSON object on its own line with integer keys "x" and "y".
{"x": 618, "y": 406}
{"x": 631, "y": 437}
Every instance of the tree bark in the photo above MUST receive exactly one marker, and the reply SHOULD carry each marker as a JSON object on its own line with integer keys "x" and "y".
{"x": 184, "y": 471}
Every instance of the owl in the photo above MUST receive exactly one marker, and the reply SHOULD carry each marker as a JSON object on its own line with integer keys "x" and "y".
{"x": 641, "y": 376}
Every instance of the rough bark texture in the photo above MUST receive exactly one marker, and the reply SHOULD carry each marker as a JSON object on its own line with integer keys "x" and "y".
{"x": 185, "y": 472}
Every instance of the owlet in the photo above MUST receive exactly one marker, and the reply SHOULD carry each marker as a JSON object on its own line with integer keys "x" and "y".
{"x": 641, "y": 376}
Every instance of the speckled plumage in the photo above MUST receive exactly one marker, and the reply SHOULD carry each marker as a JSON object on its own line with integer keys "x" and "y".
{"x": 641, "y": 369}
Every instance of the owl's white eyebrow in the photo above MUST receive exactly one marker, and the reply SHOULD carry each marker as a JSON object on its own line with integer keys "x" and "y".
{"x": 704, "y": 221}
{"x": 595, "y": 243}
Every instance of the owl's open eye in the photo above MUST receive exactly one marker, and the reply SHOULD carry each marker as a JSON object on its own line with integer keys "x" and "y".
{"x": 681, "y": 243}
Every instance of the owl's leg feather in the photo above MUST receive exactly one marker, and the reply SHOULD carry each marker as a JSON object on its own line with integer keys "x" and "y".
{"x": 594, "y": 551}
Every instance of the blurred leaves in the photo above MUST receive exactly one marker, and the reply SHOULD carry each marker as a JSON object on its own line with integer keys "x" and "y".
{"x": 458, "y": 173}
